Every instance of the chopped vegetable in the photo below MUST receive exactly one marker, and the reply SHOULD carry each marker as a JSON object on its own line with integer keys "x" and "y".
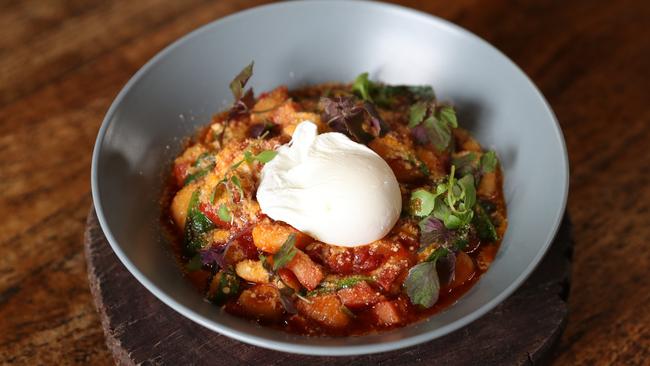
{"x": 286, "y": 253}
{"x": 489, "y": 162}
{"x": 223, "y": 286}
{"x": 224, "y": 213}
{"x": 339, "y": 284}
{"x": 484, "y": 226}
{"x": 196, "y": 225}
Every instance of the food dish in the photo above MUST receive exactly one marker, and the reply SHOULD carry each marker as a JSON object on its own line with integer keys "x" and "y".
{"x": 400, "y": 210}
{"x": 187, "y": 81}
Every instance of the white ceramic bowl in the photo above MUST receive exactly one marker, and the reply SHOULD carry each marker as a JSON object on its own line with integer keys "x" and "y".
{"x": 299, "y": 43}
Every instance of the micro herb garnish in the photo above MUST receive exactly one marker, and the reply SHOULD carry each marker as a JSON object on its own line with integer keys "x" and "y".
{"x": 422, "y": 167}
{"x": 344, "y": 115}
{"x": 432, "y": 123}
{"x": 263, "y": 157}
{"x": 339, "y": 284}
{"x": 239, "y": 82}
{"x": 226, "y": 287}
{"x": 466, "y": 164}
{"x": 199, "y": 174}
{"x": 387, "y": 95}
{"x": 224, "y": 213}
{"x": 286, "y": 253}
{"x": 280, "y": 259}
{"x": 244, "y": 100}
{"x": 196, "y": 225}
{"x": 362, "y": 86}
{"x": 484, "y": 226}
{"x": 452, "y": 202}
{"x": 488, "y": 162}
{"x": 422, "y": 283}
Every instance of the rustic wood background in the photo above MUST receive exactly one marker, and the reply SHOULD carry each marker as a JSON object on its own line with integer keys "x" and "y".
{"x": 62, "y": 63}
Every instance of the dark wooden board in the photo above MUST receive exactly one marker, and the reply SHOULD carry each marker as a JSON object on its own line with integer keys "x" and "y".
{"x": 141, "y": 329}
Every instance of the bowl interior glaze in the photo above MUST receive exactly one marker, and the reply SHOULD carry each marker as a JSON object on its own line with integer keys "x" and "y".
{"x": 301, "y": 43}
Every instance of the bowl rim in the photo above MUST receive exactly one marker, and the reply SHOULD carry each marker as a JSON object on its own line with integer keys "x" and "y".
{"x": 319, "y": 350}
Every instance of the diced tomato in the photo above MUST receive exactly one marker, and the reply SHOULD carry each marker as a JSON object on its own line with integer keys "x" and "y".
{"x": 388, "y": 313}
{"x": 241, "y": 247}
{"x": 359, "y": 296}
{"x": 181, "y": 172}
{"x": 307, "y": 272}
{"x": 393, "y": 269}
{"x": 289, "y": 279}
{"x": 347, "y": 260}
{"x": 210, "y": 211}
{"x": 340, "y": 260}
{"x": 366, "y": 259}
{"x": 325, "y": 309}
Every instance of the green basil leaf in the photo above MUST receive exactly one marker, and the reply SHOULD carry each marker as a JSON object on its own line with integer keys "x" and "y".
{"x": 448, "y": 115}
{"x": 227, "y": 286}
{"x": 199, "y": 174}
{"x": 484, "y": 226}
{"x": 286, "y": 253}
{"x": 466, "y": 164}
{"x": 488, "y": 162}
{"x": 417, "y": 113}
{"x": 452, "y": 221}
{"x": 265, "y": 156}
{"x": 439, "y": 132}
{"x": 238, "y": 83}
{"x": 237, "y": 183}
{"x": 224, "y": 213}
{"x": 469, "y": 190}
{"x": 339, "y": 284}
{"x": 422, "y": 284}
{"x": 437, "y": 254}
{"x": 362, "y": 86}
{"x": 196, "y": 224}
{"x": 423, "y": 202}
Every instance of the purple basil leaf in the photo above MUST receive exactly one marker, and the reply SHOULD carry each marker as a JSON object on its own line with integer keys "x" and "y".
{"x": 433, "y": 230}
{"x": 342, "y": 115}
{"x": 446, "y": 267}
{"x": 377, "y": 125}
{"x": 259, "y": 129}
{"x": 215, "y": 255}
{"x": 286, "y": 294}
{"x": 355, "y": 127}
{"x": 420, "y": 134}
{"x": 243, "y": 105}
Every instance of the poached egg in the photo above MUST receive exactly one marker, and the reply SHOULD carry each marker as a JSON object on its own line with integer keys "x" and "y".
{"x": 331, "y": 188}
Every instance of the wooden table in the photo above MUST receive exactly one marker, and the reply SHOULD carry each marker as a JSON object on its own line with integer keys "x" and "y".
{"x": 62, "y": 63}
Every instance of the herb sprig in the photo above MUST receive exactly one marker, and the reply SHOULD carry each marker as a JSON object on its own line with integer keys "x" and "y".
{"x": 232, "y": 183}
{"x": 345, "y": 115}
{"x": 284, "y": 255}
{"x": 339, "y": 284}
{"x": 432, "y": 123}
{"x": 452, "y": 201}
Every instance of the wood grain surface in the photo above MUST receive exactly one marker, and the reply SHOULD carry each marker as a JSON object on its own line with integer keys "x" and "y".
{"x": 523, "y": 330}
{"x": 62, "y": 63}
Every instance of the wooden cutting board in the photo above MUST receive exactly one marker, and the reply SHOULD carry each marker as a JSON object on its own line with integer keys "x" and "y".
{"x": 139, "y": 328}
